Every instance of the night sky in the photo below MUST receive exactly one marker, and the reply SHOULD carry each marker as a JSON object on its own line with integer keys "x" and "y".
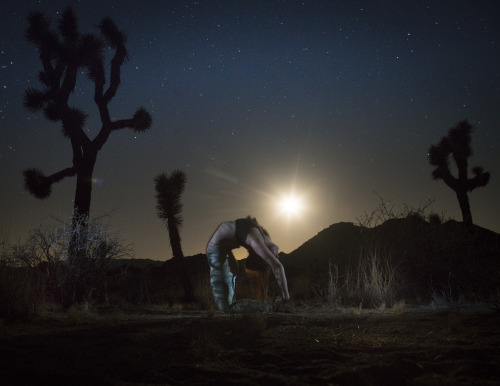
{"x": 336, "y": 102}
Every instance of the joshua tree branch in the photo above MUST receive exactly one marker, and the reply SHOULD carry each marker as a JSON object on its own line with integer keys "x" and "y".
{"x": 56, "y": 177}
{"x": 122, "y": 124}
{"x": 478, "y": 181}
{"x": 449, "y": 180}
{"x": 69, "y": 82}
{"x": 115, "y": 80}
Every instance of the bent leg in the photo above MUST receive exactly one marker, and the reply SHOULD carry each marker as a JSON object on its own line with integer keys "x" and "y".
{"x": 223, "y": 272}
{"x": 221, "y": 279}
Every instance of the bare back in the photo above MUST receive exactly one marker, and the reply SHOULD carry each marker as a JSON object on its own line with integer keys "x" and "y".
{"x": 224, "y": 236}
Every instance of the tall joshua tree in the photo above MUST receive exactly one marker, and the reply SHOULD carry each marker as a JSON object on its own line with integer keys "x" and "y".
{"x": 64, "y": 53}
{"x": 457, "y": 144}
{"x": 169, "y": 189}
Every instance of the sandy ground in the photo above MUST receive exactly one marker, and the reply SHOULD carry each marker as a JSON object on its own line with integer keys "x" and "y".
{"x": 421, "y": 346}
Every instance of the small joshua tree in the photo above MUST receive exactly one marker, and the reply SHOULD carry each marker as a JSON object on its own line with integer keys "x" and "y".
{"x": 64, "y": 53}
{"x": 457, "y": 144}
{"x": 169, "y": 190}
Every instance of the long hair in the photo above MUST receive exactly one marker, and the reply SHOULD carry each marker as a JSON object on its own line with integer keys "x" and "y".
{"x": 256, "y": 224}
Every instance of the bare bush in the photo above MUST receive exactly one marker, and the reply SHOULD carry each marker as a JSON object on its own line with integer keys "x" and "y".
{"x": 386, "y": 210}
{"x": 21, "y": 288}
{"x": 70, "y": 261}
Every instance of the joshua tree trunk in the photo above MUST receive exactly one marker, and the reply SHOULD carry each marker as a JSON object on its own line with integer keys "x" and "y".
{"x": 463, "y": 201}
{"x": 81, "y": 211}
{"x": 169, "y": 189}
{"x": 180, "y": 264}
{"x": 83, "y": 193}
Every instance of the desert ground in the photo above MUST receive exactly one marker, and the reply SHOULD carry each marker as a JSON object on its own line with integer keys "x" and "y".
{"x": 315, "y": 345}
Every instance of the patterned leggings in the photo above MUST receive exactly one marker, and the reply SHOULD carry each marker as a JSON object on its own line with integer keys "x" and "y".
{"x": 223, "y": 272}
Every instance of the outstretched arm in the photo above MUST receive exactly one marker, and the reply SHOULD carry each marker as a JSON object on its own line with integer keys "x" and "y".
{"x": 259, "y": 246}
{"x": 271, "y": 246}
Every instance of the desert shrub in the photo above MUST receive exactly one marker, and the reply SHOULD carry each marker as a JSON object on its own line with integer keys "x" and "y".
{"x": 89, "y": 248}
{"x": 44, "y": 262}
{"x": 386, "y": 211}
{"x": 22, "y": 286}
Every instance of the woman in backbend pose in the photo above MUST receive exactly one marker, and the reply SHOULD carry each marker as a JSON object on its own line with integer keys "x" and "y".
{"x": 248, "y": 233}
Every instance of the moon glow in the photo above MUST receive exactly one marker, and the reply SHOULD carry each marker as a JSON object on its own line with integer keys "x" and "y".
{"x": 291, "y": 205}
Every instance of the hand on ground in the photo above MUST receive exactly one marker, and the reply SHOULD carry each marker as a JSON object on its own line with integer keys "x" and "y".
{"x": 281, "y": 306}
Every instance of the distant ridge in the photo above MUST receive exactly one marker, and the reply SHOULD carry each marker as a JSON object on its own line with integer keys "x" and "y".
{"x": 339, "y": 242}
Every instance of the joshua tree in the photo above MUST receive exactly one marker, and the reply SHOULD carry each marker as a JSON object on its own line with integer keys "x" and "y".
{"x": 457, "y": 145}
{"x": 64, "y": 54}
{"x": 169, "y": 190}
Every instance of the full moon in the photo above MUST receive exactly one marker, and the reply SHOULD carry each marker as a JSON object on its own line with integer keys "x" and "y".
{"x": 291, "y": 205}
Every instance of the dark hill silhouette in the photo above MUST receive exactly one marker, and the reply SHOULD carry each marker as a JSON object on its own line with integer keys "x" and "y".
{"x": 339, "y": 242}
{"x": 427, "y": 256}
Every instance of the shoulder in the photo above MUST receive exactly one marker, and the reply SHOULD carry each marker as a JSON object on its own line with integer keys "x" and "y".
{"x": 227, "y": 226}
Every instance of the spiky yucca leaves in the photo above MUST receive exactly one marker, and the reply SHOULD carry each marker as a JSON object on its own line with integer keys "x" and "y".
{"x": 457, "y": 145}
{"x": 52, "y": 111}
{"x": 36, "y": 183}
{"x": 141, "y": 121}
{"x": 38, "y": 28}
{"x": 34, "y": 99}
{"x": 114, "y": 37}
{"x": 169, "y": 190}
{"x": 68, "y": 26}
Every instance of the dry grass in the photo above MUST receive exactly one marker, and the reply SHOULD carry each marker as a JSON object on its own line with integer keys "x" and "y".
{"x": 374, "y": 282}
{"x": 399, "y": 307}
{"x": 356, "y": 310}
